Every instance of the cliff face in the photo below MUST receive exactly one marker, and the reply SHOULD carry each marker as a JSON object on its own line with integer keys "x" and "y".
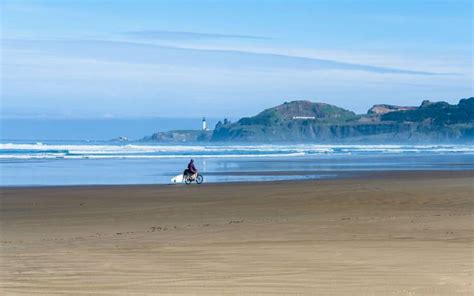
{"x": 303, "y": 121}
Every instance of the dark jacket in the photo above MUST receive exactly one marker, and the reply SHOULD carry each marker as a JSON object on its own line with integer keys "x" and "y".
{"x": 192, "y": 168}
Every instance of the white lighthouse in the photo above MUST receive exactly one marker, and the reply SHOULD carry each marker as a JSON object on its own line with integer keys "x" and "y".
{"x": 204, "y": 124}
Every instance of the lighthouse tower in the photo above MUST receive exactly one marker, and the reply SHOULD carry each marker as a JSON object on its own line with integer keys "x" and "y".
{"x": 204, "y": 124}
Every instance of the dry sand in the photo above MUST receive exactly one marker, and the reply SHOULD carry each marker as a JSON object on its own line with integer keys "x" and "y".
{"x": 391, "y": 234}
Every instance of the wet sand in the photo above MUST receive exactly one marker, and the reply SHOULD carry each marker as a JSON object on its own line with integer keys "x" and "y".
{"x": 384, "y": 234}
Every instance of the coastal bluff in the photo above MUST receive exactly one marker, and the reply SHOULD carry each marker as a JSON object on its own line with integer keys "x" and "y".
{"x": 312, "y": 122}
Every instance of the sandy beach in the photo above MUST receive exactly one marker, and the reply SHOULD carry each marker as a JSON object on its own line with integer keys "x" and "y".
{"x": 406, "y": 233}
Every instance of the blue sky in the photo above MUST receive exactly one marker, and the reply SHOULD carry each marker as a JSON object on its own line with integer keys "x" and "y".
{"x": 122, "y": 59}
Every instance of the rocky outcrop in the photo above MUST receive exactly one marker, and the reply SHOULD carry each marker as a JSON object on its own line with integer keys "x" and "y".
{"x": 436, "y": 114}
{"x": 120, "y": 139}
{"x": 383, "y": 108}
{"x": 180, "y": 136}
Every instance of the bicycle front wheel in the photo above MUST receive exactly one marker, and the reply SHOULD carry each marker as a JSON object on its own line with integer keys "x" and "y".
{"x": 199, "y": 179}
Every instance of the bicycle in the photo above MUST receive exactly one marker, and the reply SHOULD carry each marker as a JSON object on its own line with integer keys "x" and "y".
{"x": 188, "y": 179}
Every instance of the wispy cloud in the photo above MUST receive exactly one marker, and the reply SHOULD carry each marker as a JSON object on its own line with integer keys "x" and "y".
{"x": 145, "y": 79}
{"x": 140, "y": 53}
{"x": 183, "y": 35}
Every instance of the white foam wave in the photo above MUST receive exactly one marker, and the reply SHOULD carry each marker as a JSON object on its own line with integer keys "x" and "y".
{"x": 159, "y": 148}
{"x": 51, "y": 156}
{"x": 43, "y": 151}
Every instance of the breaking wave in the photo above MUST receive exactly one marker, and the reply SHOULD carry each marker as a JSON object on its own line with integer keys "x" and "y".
{"x": 103, "y": 151}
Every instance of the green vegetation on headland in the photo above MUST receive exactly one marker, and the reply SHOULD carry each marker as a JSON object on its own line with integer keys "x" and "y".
{"x": 177, "y": 136}
{"x": 304, "y": 121}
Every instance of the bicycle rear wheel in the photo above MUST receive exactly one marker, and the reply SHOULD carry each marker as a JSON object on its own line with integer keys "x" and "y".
{"x": 187, "y": 180}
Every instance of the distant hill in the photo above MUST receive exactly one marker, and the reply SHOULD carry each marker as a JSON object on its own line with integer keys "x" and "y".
{"x": 305, "y": 121}
{"x": 304, "y": 109}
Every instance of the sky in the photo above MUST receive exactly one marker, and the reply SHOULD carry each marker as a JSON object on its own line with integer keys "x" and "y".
{"x": 188, "y": 59}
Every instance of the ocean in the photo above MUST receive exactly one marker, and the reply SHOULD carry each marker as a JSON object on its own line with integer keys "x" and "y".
{"x": 47, "y": 129}
{"x": 56, "y": 162}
